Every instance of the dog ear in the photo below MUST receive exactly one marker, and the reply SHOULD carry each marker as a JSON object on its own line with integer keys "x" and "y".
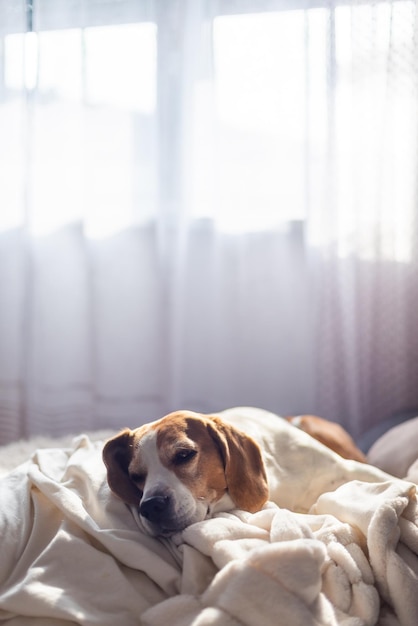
{"x": 245, "y": 473}
{"x": 117, "y": 454}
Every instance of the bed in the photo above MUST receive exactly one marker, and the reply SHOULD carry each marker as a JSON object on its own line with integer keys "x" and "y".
{"x": 72, "y": 553}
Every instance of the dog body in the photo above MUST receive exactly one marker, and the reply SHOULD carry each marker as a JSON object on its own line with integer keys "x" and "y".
{"x": 186, "y": 467}
{"x": 330, "y": 434}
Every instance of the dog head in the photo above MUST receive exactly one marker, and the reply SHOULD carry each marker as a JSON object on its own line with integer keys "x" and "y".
{"x": 183, "y": 468}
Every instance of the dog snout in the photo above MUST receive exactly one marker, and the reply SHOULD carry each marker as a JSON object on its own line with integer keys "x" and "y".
{"x": 155, "y": 508}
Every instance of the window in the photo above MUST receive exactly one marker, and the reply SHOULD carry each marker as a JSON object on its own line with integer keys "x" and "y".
{"x": 239, "y": 114}
{"x": 78, "y": 118}
{"x": 250, "y": 163}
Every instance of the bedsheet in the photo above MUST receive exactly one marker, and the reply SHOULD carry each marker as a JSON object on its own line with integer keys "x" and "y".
{"x": 72, "y": 553}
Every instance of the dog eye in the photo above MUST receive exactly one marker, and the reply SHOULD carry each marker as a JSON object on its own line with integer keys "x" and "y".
{"x": 184, "y": 456}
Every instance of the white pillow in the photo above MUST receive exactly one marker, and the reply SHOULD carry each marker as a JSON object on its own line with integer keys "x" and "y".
{"x": 397, "y": 449}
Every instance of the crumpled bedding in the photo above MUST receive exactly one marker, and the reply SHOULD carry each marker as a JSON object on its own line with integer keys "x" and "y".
{"x": 72, "y": 553}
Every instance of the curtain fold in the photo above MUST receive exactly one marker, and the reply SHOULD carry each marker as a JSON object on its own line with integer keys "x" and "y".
{"x": 206, "y": 205}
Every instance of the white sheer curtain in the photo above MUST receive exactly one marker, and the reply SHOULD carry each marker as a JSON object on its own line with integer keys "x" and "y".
{"x": 204, "y": 204}
{"x": 363, "y": 225}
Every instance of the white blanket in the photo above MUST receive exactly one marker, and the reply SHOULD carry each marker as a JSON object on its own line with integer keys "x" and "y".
{"x": 72, "y": 553}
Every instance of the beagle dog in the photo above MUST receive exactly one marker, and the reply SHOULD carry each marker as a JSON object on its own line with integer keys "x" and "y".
{"x": 185, "y": 467}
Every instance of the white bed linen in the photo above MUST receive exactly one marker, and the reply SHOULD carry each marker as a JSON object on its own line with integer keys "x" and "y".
{"x": 72, "y": 553}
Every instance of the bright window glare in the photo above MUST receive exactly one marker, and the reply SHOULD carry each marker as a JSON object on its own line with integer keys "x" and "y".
{"x": 122, "y": 66}
{"x": 260, "y": 72}
{"x": 87, "y": 132}
{"x": 14, "y": 54}
{"x": 259, "y": 132}
{"x": 60, "y": 74}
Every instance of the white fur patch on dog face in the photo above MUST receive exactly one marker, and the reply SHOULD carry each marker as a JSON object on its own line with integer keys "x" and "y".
{"x": 167, "y": 504}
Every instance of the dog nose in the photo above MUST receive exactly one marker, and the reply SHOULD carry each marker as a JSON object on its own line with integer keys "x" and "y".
{"x": 153, "y": 508}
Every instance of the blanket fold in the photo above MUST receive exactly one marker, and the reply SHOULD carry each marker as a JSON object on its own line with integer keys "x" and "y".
{"x": 386, "y": 513}
{"x": 70, "y": 551}
{"x": 312, "y": 567}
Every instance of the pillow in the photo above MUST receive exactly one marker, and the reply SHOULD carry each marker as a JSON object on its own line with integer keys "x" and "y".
{"x": 396, "y": 450}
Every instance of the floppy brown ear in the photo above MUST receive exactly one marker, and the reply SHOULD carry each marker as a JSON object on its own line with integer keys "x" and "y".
{"x": 245, "y": 473}
{"x": 117, "y": 454}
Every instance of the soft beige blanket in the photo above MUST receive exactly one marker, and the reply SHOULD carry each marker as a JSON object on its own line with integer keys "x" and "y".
{"x": 71, "y": 553}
